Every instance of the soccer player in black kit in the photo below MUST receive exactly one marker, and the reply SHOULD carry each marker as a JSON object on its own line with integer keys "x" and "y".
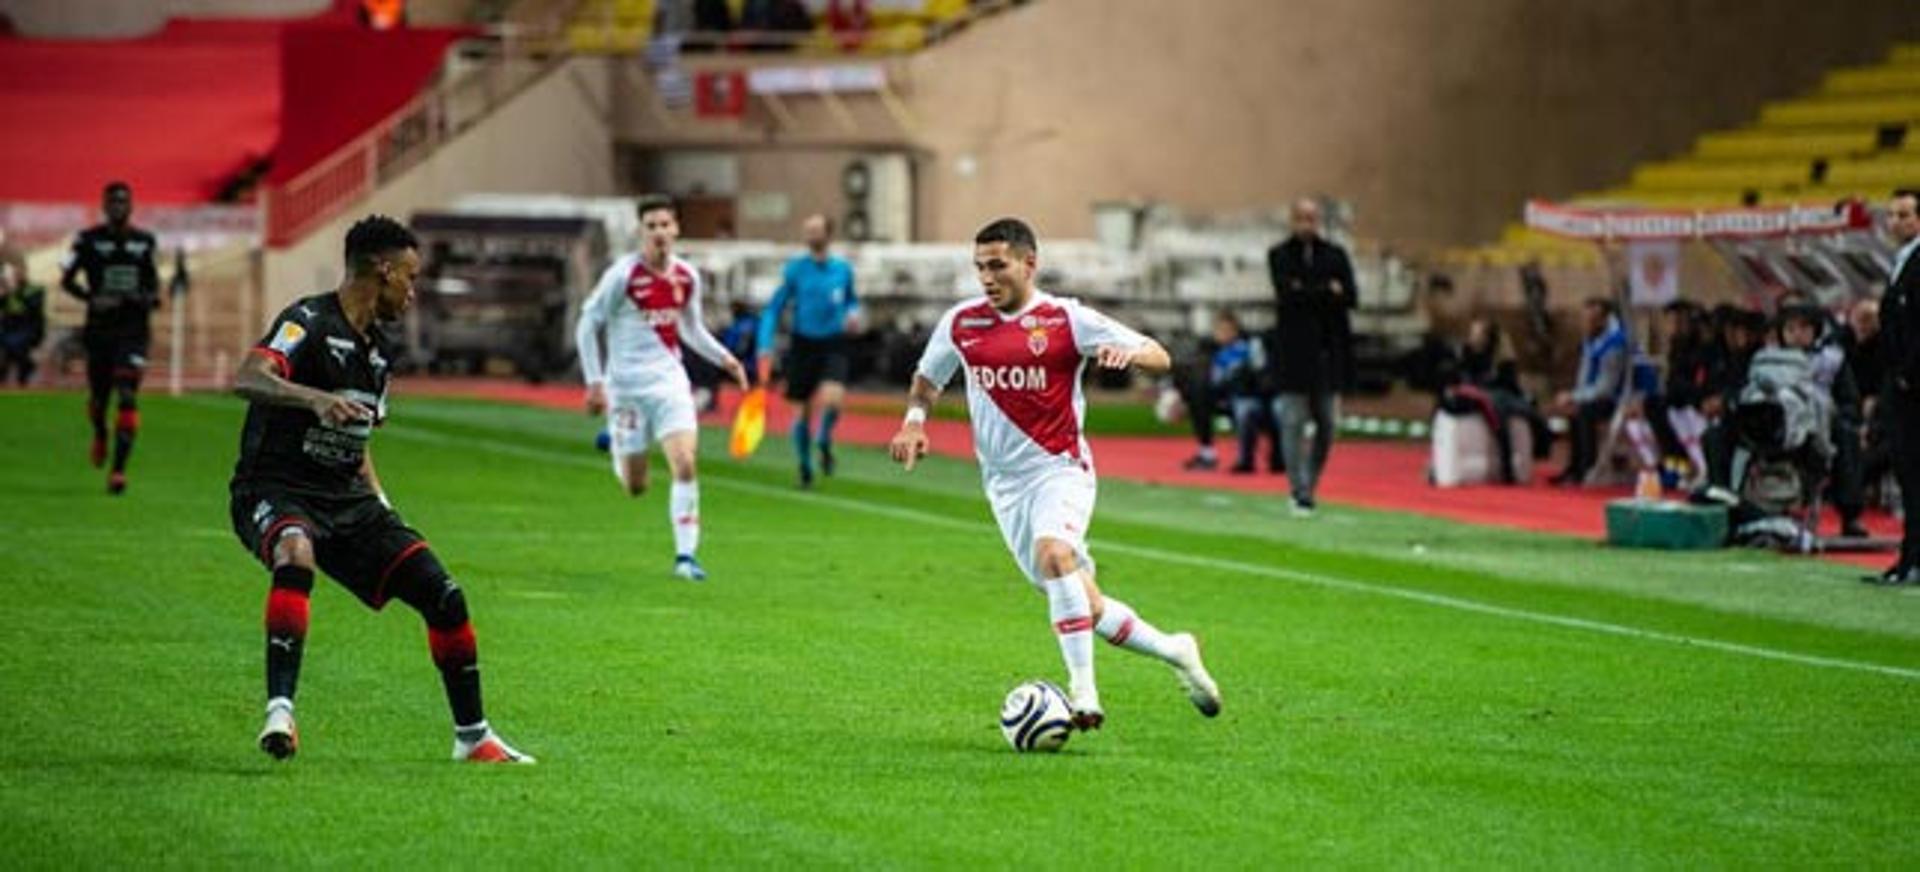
{"x": 305, "y": 495}
{"x": 122, "y": 290}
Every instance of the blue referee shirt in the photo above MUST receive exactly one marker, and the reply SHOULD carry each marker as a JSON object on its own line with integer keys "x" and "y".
{"x": 821, "y": 294}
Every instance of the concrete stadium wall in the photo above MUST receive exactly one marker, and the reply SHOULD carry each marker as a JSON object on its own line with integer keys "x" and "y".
{"x": 554, "y": 138}
{"x": 1439, "y": 119}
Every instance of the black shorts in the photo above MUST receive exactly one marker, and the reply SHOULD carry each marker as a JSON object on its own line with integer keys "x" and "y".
{"x": 111, "y": 357}
{"x": 812, "y": 361}
{"x": 356, "y": 539}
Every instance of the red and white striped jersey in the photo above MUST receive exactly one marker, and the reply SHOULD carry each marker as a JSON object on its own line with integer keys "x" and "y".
{"x": 1023, "y": 378}
{"x": 647, "y": 316}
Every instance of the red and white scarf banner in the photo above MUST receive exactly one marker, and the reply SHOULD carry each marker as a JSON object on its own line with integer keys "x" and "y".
{"x": 1604, "y": 224}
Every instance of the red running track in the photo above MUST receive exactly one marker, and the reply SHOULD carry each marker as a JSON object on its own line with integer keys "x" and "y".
{"x": 1372, "y": 474}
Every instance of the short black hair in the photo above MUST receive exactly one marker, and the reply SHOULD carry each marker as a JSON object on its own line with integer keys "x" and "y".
{"x": 1605, "y": 305}
{"x": 1913, "y": 192}
{"x": 655, "y": 203}
{"x": 1012, "y": 231}
{"x": 373, "y": 236}
{"x": 1811, "y": 315}
{"x": 116, "y": 186}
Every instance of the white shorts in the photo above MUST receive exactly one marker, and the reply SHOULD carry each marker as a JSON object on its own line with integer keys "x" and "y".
{"x": 637, "y": 420}
{"x": 1055, "y": 505}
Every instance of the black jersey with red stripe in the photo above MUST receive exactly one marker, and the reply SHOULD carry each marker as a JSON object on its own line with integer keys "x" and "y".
{"x": 122, "y": 280}
{"x": 290, "y": 448}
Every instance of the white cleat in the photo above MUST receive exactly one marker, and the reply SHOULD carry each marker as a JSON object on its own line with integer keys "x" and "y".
{"x": 279, "y": 738}
{"x": 688, "y": 568}
{"x": 1201, "y": 691}
{"x": 490, "y": 749}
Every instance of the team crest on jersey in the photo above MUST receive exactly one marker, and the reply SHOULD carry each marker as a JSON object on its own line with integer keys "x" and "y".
{"x": 1037, "y": 340}
{"x": 679, "y": 288}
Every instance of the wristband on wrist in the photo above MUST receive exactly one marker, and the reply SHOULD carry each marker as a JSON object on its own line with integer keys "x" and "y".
{"x": 915, "y": 415}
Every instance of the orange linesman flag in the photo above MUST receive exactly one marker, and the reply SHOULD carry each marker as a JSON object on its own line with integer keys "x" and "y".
{"x": 749, "y": 424}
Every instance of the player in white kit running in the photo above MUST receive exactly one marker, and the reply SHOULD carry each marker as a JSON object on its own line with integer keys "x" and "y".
{"x": 1023, "y": 351}
{"x": 649, "y": 305}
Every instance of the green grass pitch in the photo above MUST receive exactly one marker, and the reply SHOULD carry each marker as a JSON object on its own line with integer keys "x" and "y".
{"x": 1400, "y": 691}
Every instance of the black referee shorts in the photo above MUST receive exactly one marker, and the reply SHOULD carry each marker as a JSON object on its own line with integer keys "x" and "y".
{"x": 813, "y": 361}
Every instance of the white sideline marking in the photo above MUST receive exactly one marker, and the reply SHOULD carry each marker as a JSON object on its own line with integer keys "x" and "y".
{"x": 1213, "y": 563}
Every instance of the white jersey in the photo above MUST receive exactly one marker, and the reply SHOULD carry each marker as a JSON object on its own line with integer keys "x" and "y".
{"x": 647, "y": 315}
{"x": 1023, "y": 380}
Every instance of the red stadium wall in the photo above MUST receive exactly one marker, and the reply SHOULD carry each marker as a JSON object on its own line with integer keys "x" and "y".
{"x": 181, "y": 113}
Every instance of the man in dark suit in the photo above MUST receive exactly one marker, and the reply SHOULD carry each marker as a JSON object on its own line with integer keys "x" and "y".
{"x": 1900, "y": 353}
{"x": 1314, "y": 292}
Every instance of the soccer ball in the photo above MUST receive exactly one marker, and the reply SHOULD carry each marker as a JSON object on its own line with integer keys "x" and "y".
{"x": 1036, "y": 717}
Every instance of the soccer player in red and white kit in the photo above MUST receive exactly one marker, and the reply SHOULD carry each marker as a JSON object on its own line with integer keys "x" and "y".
{"x": 649, "y": 305}
{"x": 1023, "y": 351}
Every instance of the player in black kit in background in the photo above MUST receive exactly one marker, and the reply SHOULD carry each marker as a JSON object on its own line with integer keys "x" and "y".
{"x": 305, "y": 495}
{"x": 122, "y": 290}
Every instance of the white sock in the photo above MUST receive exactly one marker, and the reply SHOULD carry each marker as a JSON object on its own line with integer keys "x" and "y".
{"x": 1073, "y": 623}
{"x": 279, "y": 702}
{"x": 1120, "y": 626}
{"x": 683, "y": 509}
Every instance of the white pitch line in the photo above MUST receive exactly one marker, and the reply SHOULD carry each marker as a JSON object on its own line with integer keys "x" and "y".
{"x": 1215, "y": 563}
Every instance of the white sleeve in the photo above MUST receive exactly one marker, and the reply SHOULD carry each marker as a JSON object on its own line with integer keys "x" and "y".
{"x": 1093, "y": 329}
{"x": 593, "y": 316}
{"x": 938, "y": 362}
{"x": 693, "y": 327}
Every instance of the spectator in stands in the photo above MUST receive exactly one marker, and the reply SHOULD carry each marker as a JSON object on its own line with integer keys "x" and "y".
{"x": 1314, "y": 293}
{"x": 1900, "y": 391}
{"x": 23, "y": 318}
{"x": 1674, "y": 414}
{"x": 1596, "y": 387}
{"x": 1235, "y": 376}
{"x": 1836, "y": 372}
{"x": 1484, "y": 379}
{"x": 742, "y": 334}
{"x": 1604, "y": 362}
{"x": 1861, "y": 339}
{"x": 769, "y": 22}
{"x": 1741, "y": 331}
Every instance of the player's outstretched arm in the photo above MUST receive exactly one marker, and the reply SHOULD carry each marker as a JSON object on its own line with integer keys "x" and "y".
{"x": 1149, "y": 357}
{"x": 910, "y": 444}
{"x": 257, "y": 382}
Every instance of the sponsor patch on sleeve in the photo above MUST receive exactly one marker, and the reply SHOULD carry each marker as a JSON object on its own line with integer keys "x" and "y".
{"x": 288, "y": 338}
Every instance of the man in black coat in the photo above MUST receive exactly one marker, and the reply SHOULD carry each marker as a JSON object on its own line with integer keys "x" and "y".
{"x": 1900, "y": 390}
{"x": 1314, "y": 293}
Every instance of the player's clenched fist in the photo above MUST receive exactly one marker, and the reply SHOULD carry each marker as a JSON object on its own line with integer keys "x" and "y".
{"x": 596, "y": 398}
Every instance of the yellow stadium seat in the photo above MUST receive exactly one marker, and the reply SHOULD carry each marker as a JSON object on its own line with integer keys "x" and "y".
{"x": 1760, "y": 144}
{"x": 1865, "y": 81}
{"x": 1702, "y": 175}
{"x": 1834, "y": 112}
{"x": 1898, "y": 170}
